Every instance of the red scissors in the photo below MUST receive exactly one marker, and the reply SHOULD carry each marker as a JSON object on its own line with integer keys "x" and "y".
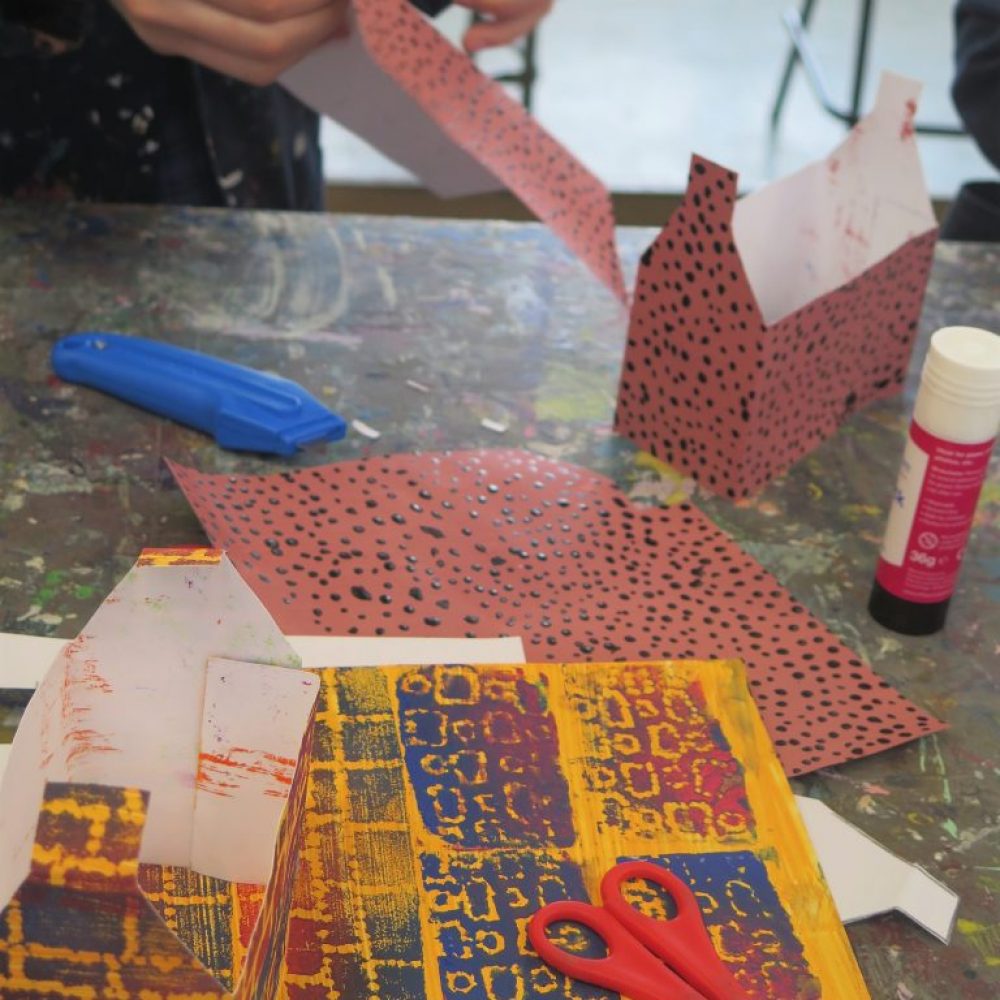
{"x": 648, "y": 959}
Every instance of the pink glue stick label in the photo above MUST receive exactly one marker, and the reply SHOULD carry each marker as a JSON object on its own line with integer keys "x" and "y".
{"x": 931, "y": 515}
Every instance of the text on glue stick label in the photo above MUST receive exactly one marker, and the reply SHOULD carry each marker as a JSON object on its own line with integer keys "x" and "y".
{"x": 931, "y": 515}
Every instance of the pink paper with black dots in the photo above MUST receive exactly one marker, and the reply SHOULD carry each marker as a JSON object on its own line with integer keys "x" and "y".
{"x": 490, "y": 543}
{"x": 707, "y": 386}
{"x": 478, "y": 115}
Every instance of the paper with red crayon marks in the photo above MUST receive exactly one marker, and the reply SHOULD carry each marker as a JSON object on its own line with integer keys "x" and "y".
{"x": 403, "y": 87}
{"x": 760, "y": 324}
{"x": 182, "y": 685}
{"x": 505, "y": 542}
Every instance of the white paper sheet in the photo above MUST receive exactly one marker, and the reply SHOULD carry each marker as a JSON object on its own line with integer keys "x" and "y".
{"x": 343, "y": 82}
{"x": 811, "y": 232}
{"x": 387, "y": 651}
{"x": 866, "y": 879}
{"x": 24, "y": 659}
{"x": 251, "y": 739}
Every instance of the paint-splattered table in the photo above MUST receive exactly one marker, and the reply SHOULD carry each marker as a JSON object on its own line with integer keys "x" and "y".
{"x": 458, "y": 335}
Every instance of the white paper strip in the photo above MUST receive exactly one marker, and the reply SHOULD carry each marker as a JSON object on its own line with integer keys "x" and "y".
{"x": 342, "y": 81}
{"x": 385, "y": 651}
{"x": 24, "y": 659}
{"x": 866, "y": 879}
{"x": 251, "y": 736}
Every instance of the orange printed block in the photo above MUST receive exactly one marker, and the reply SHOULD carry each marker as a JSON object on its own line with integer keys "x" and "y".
{"x": 179, "y": 556}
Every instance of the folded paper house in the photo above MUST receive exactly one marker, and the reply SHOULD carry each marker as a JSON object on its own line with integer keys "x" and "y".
{"x": 168, "y": 733}
{"x": 430, "y": 811}
{"x": 759, "y": 325}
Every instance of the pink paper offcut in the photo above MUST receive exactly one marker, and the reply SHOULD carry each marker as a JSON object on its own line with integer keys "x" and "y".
{"x": 490, "y": 543}
{"x": 480, "y": 117}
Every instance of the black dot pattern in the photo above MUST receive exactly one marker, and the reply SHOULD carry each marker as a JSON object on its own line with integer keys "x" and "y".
{"x": 481, "y": 118}
{"x": 491, "y": 543}
{"x": 708, "y": 387}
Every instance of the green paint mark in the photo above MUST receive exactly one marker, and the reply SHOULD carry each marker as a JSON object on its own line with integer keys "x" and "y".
{"x": 855, "y": 512}
{"x": 51, "y": 583}
{"x": 792, "y": 559}
{"x": 570, "y": 395}
{"x": 985, "y": 938}
{"x": 949, "y": 827}
{"x": 938, "y": 761}
{"x": 990, "y": 493}
{"x": 940, "y": 768}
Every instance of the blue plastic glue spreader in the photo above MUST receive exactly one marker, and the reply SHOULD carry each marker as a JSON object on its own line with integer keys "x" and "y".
{"x": 242, "y": 408}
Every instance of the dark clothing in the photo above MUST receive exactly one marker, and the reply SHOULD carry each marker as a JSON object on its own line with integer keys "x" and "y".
{"x": 976, "y": 87}
{"x": 975, "y": 213}
{"x": 88, "y": 111}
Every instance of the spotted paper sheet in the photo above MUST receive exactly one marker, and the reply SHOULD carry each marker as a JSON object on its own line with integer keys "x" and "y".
{"x": 486, "y": 122}
{"x": 504, "y": 542}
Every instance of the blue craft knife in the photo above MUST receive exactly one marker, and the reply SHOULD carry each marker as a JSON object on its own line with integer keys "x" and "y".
{"x": 243, "y": 409}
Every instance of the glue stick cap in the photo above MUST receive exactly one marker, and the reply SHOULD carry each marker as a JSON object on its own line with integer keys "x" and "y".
{"x": 959, "y": 397}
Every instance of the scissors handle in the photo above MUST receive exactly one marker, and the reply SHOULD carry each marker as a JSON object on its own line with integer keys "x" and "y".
{"x": 682, "y": 941}
{"x": 627, "y": 968}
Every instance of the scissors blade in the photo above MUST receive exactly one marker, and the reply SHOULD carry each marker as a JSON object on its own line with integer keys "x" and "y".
{"x": 683, "y": 941}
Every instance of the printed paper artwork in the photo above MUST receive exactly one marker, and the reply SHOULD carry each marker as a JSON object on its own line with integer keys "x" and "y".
{"x": 505, "y": 542}
{"x": 168, "y": 734}
{"x": 431, "y": 810}
{"x": 759, "y": 325}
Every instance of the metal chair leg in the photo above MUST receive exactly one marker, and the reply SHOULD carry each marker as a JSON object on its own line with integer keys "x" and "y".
{"x": 528, "y": 74}
{"x": 801, "y": 51}
{"x": 793, "y": 57}
{"x": 861, "y": 60}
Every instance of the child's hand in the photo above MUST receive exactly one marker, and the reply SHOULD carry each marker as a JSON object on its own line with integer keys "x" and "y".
{"x": 507, "y": 20}
{"x": 252, "y": 40}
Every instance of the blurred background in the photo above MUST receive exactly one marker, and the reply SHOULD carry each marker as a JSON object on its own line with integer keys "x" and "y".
{"x": 633, "y": 87}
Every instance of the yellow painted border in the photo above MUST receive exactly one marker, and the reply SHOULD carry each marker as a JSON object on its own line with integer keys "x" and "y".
{"x": 179, "y": 557}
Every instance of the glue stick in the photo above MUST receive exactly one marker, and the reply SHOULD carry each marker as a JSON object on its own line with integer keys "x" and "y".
{"x": 955, "y": 422}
